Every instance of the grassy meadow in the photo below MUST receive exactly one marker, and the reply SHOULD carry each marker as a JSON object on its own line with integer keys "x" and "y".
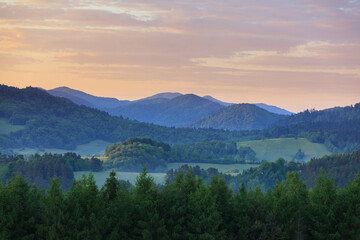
{"x": 272, "y": 149}
{"x": 94, "y": 148}
{"x": 6, "y": 127}
{"x": 223, "y": 168}
{"x": 100, "y": 177}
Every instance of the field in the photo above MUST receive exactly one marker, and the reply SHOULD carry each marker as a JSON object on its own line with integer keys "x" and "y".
{"x": 94, "y": 148}
{"x": 272, "y": 149}
{"x": 100, "y": 177}
{"x": 6, "y": 127}
{"x": 223, "y": 168}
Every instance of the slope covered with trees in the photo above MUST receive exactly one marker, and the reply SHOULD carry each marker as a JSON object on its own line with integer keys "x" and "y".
{"x": 238, "y": 117}
{"x": 212, "y": 151}
{"x": 183, "y": 209}
{"x": 54, "y": 122}
{"x": 40, "y": 169}
{"x": 338, "y": 128}
{"x": 176, "y": 112}
{"x": 342, "y": 168}
{"x": 135, "y": 153}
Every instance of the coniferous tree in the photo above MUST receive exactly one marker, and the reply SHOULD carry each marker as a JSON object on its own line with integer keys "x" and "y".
{"x": 149, "y": 223}
{"x": 241, "y": 215}
{"x": 323, "y": 214}
{"x": 205, "y": 220}
{"x": 291, "y": 206}
{"x": 53, "y": 214}
{"x": 349, "y": 210}
{"x": 117, "y": 218}
{"x": 223, "y": 200}
{"x": 19, "y": 205}
{"x": 85, "y": 208}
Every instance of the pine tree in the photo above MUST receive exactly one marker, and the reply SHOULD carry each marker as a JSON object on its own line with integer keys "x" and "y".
{"x": 18, "y": 209}
{"x": 323, "y": 199}
{"x": 223, "y": 199}
{"x": 348, "y": 208}
{"x": 205, "y": 220}
{"x": 291, "y": 207}
{"x": 149, "y": 223}
{"x": 53, "y": 214}
{"x": 85, "y": 207}
{"x": 117, "y": 218}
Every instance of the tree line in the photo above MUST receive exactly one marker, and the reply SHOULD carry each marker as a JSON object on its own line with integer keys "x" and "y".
{"x": 185, "y": 208}
{"x": 136, "y": 152}
{"x": 40, "y": 169}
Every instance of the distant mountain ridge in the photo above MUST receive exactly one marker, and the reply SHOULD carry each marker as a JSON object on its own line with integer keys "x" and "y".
{"x": 54, "y": 122}
{"x": 238, "y": 117}
{"x": 273, "y": 109}
{"x": 176, "y": 112}
{"x": 171, "y": 109}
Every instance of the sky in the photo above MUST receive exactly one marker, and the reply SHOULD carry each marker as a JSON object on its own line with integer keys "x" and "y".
{"x": 295, "y": 54}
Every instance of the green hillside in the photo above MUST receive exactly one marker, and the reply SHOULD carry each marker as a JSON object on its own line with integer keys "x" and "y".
{"x": 272, "y": 149}
{"x": 238, "y": 117}
{"x": 94, "y": 148}
{"x": 6, "y": 127}
{"x": 44, "y": 121}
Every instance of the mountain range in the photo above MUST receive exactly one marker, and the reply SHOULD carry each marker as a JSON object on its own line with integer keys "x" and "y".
{"x": 32, "y": 117}
{"x": 170, "y": 109}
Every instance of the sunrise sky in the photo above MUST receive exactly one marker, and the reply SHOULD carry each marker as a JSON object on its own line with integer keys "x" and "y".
{"x": 295, "y": 54}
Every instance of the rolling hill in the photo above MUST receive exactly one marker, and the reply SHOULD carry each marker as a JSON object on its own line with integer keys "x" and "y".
{"x": 238, "y": 117}
{"x": 173, "y": 112}
{"x": 82, "y": 98}
{"x": 40, "y": 120}
{"x": 272, "y": 149}
{"x": 338, "y": 128}
{"x": 167, "y": 109}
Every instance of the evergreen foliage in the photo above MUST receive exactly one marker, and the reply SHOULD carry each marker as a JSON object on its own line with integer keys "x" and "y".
{"x": 40, "y": 169}
{"x": 134, "y": 153}
{"x": 238, "y": 117}
{"x": 183, "y": 209}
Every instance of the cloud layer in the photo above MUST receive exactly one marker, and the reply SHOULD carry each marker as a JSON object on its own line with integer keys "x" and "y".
{"x": 294, "y": 54}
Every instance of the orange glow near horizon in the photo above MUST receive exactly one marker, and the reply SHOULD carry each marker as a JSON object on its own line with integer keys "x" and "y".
{"x": 295, "y": 55}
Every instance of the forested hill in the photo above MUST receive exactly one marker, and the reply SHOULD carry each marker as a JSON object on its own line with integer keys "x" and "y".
{"x": 336, "y": 114}
{"x": 238, "y": 117}
{"x": 176, "y": 112}
{"x": 54, "y": 122}
{"x": 338, "y": 128}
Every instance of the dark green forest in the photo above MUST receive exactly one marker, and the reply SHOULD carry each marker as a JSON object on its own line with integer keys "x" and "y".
{"x": 41, "y": 169}
{"x": 186, "y": 208}
{"x": 135, "y": 153}
{"x": 338, "y": 128}
{"x": 238, "y": 117}
{"x": 213, "y": 151}
{"x": 342, "y": 168}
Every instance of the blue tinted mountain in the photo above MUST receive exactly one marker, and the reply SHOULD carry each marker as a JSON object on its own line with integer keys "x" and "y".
{"x": 54, "y": 122}
{"x": 210, "y": 98}
{"x": 238, "y": 117}
{"x": 273, "y": 109}
{"x": 268, "y": 108}
{"x": 166, "y": 95}
{"x": 176, "y": 112}
{"x": 82, "y": 98}
{"x": 167, "y": 109}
